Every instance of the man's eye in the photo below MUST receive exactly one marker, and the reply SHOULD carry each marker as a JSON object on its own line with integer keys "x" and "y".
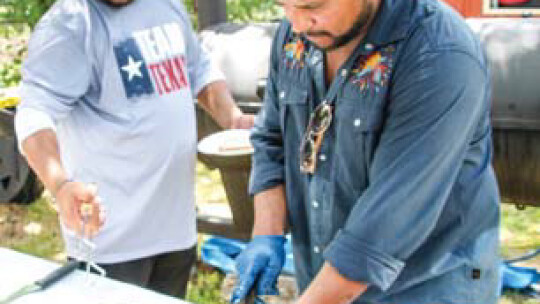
{"x": 309, "y": 6}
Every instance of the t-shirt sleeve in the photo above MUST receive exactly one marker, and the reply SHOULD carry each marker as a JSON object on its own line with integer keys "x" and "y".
{"x": 201, "y": 68}
{"x": 55, "y": 75}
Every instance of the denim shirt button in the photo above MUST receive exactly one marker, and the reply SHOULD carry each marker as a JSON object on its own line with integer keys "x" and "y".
{"x": 369, "y": 47}
{"x": 282, "y": 94}
{"x": 322, "y": 157}
{"x": 357, "y": 122}
{"x": 316, "y": 249}
{"x": 344, "y": 73}
{"x": 315, "y": 204}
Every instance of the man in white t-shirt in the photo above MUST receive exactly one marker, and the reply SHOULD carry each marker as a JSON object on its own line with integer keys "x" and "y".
{"x": 107, "y": 99}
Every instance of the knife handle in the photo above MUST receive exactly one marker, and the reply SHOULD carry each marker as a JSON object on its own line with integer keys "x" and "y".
{"x": 58, "y": 274}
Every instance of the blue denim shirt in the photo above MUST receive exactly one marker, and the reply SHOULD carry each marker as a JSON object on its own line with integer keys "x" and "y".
{"x": 404, "y": 197}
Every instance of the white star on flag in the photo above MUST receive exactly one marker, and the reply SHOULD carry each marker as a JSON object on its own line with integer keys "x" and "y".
{"x": 133, "y": 68}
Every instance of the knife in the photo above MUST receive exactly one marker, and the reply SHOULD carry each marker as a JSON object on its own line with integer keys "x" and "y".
{"x": 44, "y": 283}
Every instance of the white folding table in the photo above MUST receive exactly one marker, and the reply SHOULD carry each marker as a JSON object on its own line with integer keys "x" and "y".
{"x": 18, "y": 269}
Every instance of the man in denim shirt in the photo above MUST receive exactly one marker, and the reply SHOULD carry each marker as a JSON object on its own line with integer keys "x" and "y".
{"x": 373, "y": 147}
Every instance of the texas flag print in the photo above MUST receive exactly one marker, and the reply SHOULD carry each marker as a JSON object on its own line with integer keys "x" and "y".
{"x": 152, "y": 61}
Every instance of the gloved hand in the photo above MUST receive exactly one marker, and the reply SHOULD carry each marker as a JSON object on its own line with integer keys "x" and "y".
{"x": 260, "y": 263}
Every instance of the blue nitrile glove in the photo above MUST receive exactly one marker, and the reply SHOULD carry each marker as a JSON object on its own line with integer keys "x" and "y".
{"x": 259, "y": 263}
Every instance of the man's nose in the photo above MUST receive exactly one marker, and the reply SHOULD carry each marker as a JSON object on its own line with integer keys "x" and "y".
{"x": 300, "y": 21}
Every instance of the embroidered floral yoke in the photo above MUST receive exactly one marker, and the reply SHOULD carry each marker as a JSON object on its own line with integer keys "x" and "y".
{"x": 404, "y": 197}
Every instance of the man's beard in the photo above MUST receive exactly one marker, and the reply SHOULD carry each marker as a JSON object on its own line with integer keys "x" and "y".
{"x": 116, "y": 5}
{"x": 359, "y": 27}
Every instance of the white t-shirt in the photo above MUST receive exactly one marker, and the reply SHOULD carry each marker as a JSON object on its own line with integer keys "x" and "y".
{"x": 118, "y": 86}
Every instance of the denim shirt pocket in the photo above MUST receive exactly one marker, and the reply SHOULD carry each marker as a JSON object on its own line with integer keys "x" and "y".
{"x": 358, "y": 127}
{"x": 293, "y": 109}
{"x": 365, "y": 105}
{"x": 359, "y": 119}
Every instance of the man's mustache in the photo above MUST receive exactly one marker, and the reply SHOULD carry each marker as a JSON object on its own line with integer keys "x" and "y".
{"x": 318, "y": 34}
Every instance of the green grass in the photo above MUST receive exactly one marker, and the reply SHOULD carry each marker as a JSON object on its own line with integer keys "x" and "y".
{"x": 520, "y": 233}
{"x": 520, "y": 230}
{"x": 33, "y": 229}
{"x": 205, "y": 286}
{"x": 209, "y": 187}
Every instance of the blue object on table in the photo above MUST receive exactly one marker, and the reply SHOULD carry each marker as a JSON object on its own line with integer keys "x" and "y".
{"x": 220, "y": 252}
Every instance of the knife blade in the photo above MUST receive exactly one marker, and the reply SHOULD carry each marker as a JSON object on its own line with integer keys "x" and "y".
{"x": 44, "y": 283}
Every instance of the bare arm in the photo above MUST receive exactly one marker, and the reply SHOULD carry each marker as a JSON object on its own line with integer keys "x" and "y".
{"x": 270, "y": 212}
{"x": 217, "y": 100}
{"x": 329, "y": 287}
{"x": 42, "y": 153}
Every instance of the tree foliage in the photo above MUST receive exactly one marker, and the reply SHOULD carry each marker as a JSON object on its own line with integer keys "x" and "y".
{"x": 251, "y": 10}
{"x": 12, "y": 50}
{"x": 17, "y": 17}
{"x": 25, "y": 12}
{"x": 28, "y": 12}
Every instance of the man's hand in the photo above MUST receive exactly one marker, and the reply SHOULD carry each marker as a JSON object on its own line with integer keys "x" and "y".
{"x": 42, "y": 153}
{"x": 217, "y": 100}
{"x": 243, "y": 121}
{"x": 260, "y": 263}
{"x": 76, "y": 200}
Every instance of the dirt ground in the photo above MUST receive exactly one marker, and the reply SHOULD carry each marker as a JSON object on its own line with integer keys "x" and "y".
{"x": 11, "y": 223}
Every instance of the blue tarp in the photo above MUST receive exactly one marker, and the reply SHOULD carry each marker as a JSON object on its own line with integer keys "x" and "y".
{"x": 220, "y": 253}
{"x": 520, "y": 279}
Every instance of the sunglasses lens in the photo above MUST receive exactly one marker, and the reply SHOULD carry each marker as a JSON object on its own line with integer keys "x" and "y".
{"x": 321, "y": 119}
{"x": 307, "y": 154}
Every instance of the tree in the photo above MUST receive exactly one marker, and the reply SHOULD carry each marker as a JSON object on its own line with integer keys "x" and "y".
{"x": 19, "y": 16}
{"x": 251, "y": 10}
{"x": 29, "y": 12}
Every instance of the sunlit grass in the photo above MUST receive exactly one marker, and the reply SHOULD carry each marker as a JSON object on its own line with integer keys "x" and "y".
{"x": 209, "y": 187}
{"x": 205, "y": 287}
{"x": 520, "y": 232}
{"x": 46, "y": 244}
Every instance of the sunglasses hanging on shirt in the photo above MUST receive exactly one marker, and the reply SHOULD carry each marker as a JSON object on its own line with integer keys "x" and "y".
{"x": 319, "y": 121}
